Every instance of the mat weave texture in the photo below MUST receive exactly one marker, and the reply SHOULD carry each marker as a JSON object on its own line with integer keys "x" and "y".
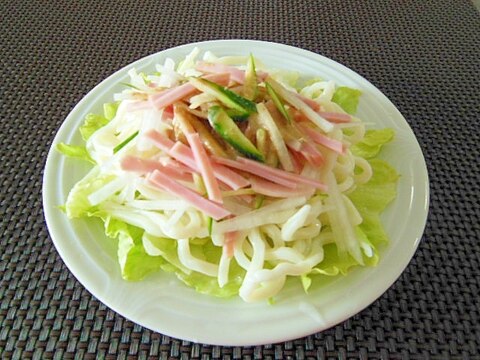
{"x": 424, "y": 55}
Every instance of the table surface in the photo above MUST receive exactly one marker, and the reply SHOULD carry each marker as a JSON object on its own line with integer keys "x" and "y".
{"x": 424, "y": 55}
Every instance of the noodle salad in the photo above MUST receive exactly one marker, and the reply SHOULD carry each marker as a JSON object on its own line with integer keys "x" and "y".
{"x": 234, "y": 176}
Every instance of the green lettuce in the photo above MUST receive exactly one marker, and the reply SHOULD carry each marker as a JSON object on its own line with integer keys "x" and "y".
{"x": 379, "y": 191}
{"x": 347, "y": 98}
{"x": 74, "y": 151}
{"x": 134, "y": 261}
{"x": 110, "y": 110}
{"x": 334, "y": 264}
{"x": 77, "y": 204}
{"x": 372, "y": 143}
{"x": 92, "y": 123}
{"x": 202, "y": 249}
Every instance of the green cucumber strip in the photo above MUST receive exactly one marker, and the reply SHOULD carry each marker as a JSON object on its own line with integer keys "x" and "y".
{"x": 229, "y": 131}
{"x": 236, "y": 115}
{"x": 224, "y": 95}
{"x": 278, "y": 102}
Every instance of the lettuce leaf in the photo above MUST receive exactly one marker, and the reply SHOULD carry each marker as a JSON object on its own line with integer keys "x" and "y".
{"x": 379, "y": 191}
{"x": 110, "y": 110}
{"x": 74, "y": 151}
{"x": 77, "y": 204}
{"x": 205, "y": 250}
{"x": 347, "y": 98}
{"x": 134, "y": 261}
{"x": 92, "y": 123}
{"x": 167, "y": 248}
{"x": 372, "y": 143}
{"x": 334, "y": 264}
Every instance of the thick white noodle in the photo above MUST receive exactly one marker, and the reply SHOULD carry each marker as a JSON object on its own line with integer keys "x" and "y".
{"x": 354, "y": 215}
{"x": 284, "y": 254}
{"x": 223, "y": 268}
{"x": 274, "y": 233}
{"x": 340, "y": 223}
{"x": 258, "y": 245}
{"x": 308, "y": 232}
{"x": 239, "y": 254}
{"x": 366, "y": 173}
{"x": 138, "y": 218}
{"x": 251, "y": 291}
{"x": 192, "y": 262}
{"x": 295, "y": 222}
{"x": 151, "y": 121}
{"x": 275, "y": 213}
{"x": 107, "y": 190}
{"x": 303, "y": 246}
{"x": 175, "y": 217}
{"x": 158, "y": 205}
{"x": 346, "y": 184}
{"x": 345, "y": 165}
{"x": 357, "y": 135}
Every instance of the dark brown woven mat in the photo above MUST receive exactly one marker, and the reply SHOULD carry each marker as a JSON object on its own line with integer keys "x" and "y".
{"x": 423, "y": 55}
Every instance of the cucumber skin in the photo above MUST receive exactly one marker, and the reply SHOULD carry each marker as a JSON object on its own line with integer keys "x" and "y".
{"x": 237, "y": 116}
{"x": 278, "y": 102}
{"x": 231, "y": 98}
{"x": 230, "y": 132}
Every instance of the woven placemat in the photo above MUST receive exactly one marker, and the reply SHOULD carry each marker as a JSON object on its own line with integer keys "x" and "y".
{"x": 423, "y": 55}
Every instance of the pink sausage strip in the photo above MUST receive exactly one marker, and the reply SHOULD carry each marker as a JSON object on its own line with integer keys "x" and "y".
{"x": 209, "y": 207}
{"x": 313, "y": 155}
{"x": 255, "y": 166}
{"x": 312, "y": 103}
{"x": 256, "y": 171}
{"x": 322, "y": 139}
{"x": 135, "y": 164}
{"x": 184, "y": 154}
{"x": 236, "y": 75}
{"x": 269, "y": 188}
{"x": 160, "y": 141}
{"x": 170, "y": 96}
{"x": 335, "y": 117}
{"x": 205, "y": 167}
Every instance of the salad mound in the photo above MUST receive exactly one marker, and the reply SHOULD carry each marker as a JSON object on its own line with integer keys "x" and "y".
{"x": 234, "y": 176}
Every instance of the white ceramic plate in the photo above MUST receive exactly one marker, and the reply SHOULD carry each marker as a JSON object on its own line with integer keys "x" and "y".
{"x": 162, "y": 303}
